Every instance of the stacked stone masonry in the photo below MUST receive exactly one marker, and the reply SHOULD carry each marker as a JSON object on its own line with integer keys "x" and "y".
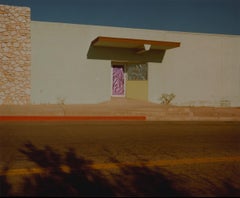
{"x": 15, "y": 55}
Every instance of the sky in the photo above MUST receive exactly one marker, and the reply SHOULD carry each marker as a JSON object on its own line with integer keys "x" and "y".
{"x": 203, "y": 16}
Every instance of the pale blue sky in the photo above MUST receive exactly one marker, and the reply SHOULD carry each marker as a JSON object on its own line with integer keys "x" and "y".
{"x": 205, "y": 16}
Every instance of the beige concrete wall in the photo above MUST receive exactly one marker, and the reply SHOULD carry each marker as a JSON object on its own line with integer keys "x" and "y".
{"x": 61, "y": 72}
{"x": 203, "y": 71}
{"x": 15, "y": 55}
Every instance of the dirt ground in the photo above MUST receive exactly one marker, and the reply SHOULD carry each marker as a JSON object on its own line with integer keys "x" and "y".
{"x": 126, "y": 107}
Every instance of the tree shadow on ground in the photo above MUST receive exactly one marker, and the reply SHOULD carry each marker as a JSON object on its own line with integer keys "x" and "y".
{"x": 79, "y": 178}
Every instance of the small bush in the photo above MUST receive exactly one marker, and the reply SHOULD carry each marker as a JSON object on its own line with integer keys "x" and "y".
{"x": 167, "y": 98}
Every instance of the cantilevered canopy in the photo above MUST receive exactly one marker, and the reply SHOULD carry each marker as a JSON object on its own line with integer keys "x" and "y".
{"x": 133, "y": 43}
{"x": 128, "y": 49}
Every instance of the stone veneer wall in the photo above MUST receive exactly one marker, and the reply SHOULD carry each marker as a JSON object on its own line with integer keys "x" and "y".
{"x": 15, "y": 55}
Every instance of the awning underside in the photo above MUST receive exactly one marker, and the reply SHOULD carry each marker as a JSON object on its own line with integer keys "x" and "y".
{"x": 129, "y": 49}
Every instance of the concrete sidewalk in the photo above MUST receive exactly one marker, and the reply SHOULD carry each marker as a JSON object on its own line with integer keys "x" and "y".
{"x": 126, "y": 107}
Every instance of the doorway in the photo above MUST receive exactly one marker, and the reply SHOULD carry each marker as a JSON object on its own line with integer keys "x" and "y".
{"x": 130, "y": 80}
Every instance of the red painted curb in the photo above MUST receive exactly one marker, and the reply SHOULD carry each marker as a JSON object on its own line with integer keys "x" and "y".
{"x": 70, "y": 118}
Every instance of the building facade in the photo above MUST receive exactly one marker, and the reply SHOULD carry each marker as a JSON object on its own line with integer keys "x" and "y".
{"x": 52, "y": 63}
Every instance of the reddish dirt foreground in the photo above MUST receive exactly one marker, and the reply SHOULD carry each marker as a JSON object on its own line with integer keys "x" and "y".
{"x": 118, "y": 109}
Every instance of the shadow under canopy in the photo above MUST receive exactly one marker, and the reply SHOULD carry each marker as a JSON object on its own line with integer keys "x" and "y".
{"x": 125, "y": 49}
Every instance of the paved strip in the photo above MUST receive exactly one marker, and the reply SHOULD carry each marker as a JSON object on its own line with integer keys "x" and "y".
{"x": 71, "y": 118}
{"x": 105, "y": 166}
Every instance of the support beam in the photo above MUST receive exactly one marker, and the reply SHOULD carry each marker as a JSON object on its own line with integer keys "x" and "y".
{"x": 146, "y": 47}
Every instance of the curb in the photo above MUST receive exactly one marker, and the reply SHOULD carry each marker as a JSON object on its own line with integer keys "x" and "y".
{"x": 72, "y": 118}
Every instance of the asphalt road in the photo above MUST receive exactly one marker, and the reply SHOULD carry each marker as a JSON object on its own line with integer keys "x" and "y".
{"x": 185, "y": 158}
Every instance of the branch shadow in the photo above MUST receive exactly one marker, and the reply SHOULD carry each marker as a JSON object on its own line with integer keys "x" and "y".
{"x": 142, "y": 181}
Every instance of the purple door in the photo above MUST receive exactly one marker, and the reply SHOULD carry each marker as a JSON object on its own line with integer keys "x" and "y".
{"x": 117, "y": 81}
